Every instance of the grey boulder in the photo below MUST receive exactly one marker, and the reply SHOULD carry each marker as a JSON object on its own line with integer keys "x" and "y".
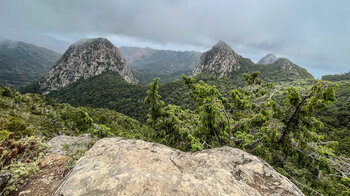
{"x": 116, "y": 166}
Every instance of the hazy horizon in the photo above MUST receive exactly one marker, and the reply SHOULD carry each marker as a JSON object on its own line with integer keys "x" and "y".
{"x": 311, "y": 34}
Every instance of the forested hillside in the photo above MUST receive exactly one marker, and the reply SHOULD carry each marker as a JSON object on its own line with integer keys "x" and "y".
{"x": 337, "y": 116}
{"x": 34, "y": 114}
{"x": 286, "y": 117}
{"x": 28, "y": 121}
{"x": 285, "y": 133}
{"x": 337, "y": 77}
{"x": 252, "y": 118}
{"x": 22, "y": 63}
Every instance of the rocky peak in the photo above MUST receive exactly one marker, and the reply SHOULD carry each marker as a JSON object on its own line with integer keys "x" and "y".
{"x": 268, "y": 59}
{"x": 84, "y": 59}
{"x": 221, "y": 59}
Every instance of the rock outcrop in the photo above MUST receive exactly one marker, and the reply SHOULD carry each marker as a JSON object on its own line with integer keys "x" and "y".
{"x": 84, "y": 59}
{"x": 63, "y": 144}
{"x": 220, "y": 60}
{"x": 268, "y": 59}
{"x": 116, "y": 166}
{"x": 55, "y": 164}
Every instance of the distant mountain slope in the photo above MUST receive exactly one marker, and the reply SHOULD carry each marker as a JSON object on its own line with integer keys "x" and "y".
{"x": 45, "y": 41}
{"x": 168, "y": 65}
{"x": 337, "y": 117}
{"x": 337, "y": 77}
{"x": 33, "y": 114}
{"x": 84, "y": 59}
{"x": 22, "y": 63}
{"x": 107, "y": 90}
{"x": 283, "y": 70}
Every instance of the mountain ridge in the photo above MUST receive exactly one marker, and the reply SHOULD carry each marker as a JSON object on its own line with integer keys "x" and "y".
{"x": 22, "y": 63}
{"x": 222, "y": 60}
{"x": 168, "y": 65}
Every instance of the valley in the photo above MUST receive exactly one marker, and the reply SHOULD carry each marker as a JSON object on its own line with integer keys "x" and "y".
{"x": 273, "y": 109}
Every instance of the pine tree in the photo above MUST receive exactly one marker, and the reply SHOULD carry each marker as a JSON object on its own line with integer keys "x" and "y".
{"x": 152, "y": 99}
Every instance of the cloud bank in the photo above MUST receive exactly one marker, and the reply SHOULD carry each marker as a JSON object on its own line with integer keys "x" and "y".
{"x": 314, "y": 33}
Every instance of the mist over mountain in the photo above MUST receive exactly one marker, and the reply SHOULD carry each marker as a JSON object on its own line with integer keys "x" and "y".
{"x": 268, "y": 59}
{"x": 174, "y": 97}
{"x": 49, "y": 42}
{"x": 22, "y": 63}
{"x": 168, "y": 65}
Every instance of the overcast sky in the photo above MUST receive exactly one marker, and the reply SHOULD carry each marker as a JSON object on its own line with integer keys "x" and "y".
{"x": 312, "y": 33}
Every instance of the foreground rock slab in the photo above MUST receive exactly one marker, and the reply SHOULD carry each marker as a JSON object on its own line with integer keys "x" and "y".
{"x": 116, "y": 166}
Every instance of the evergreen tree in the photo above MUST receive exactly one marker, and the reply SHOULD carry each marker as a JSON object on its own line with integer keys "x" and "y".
{"x": 256, "y": 119}
{"x": 152, "y": 99}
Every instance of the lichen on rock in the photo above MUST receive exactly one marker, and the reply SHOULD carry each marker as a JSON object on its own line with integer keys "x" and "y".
{"x": 116, "y": 166}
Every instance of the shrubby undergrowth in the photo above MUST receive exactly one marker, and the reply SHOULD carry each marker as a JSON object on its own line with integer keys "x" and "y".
{"x": 286, "y": 134}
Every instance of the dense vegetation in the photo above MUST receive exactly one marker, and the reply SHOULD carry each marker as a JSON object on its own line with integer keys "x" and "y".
{"x": 337, "y": 77}
{"x": 286, "y": 135}
{"x": 276, "y": 123}
{"x": 28, "y": 121}
{"x": 282, "y": 70}
{"x": 34, "y": 114}
{"x": 22, "y": 63}
{"x": 337, "y": 118}
{"x": 109, "y": 90}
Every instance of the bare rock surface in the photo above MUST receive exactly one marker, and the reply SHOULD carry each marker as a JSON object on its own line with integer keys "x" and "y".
{"x": 116, "y": 166}
{"x": 63, "y": 144}
{"x": 221, "y": 60}
{"x": 84, "y": 59}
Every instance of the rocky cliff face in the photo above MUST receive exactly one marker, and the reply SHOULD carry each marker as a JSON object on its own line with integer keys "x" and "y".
{"x": 220, "y": 60}
{"x": 116, "y": 166}
{"x": 268, "y": 59}
{"x": 84, "y": 59}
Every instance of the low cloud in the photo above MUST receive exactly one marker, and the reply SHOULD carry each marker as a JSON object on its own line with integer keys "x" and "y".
{"x": 311, "y": 32}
